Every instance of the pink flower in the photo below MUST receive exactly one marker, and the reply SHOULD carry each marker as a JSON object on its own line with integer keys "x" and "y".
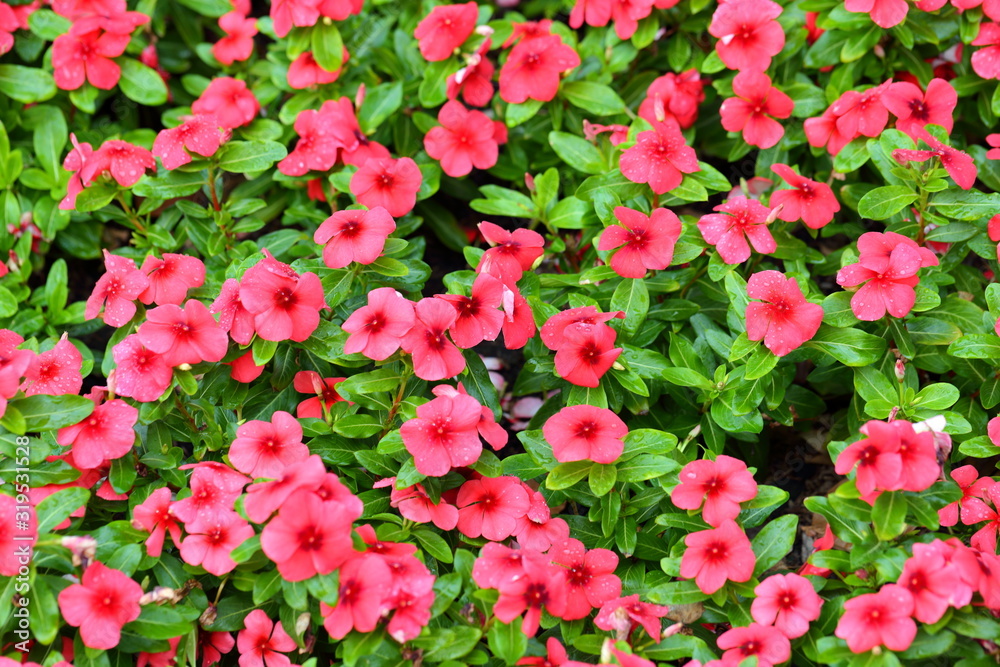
{"x": 861, "y": 113}
{"x": 542, "y": 585}
{"x": 748, "y": 34}
{"x": 105, "y": 435}
{"x": 354, "y": 236}
{"x": 305, "y": 72}
{"x": 263, "y": 643}
{"x": 878, "y": 619}
{"x": 934, "y": 583}
{"x": 479, "y": 317}
{"x": 317, "y": 147}
{"x": 959, "y": 165}
{"x": 284, "y": 304}
{"x": 475, "y": 80}
{"x": 810, "y": 201}
{"x": 392, "y": 184}
{"x": 788, "y": 602}
{"x": 210, "y": 543}
{"x": 198, "y": 134}
{"x": 533, "y": 67}
{"x": 444, "y": 29}
{"x": 85, "y": 56}
{"x": 985, "y": 539}
{"x": 587, "y": 354}
{"x": 590, "y": 577}
{"x": 265, "y": 449}
{"x": 741, "y": 219}
{"x": 646, "y": 242}
{"x": 264, "y": 498}
{"x": 519, "y": 320}
{"x": 213, "y": 645}
{"x": 434, "y": 356}
{"x": 364, "y": 584}
{"x": 823, "y": 131}
{"x": 585, "y": 432}
{"x": 232, "y": 103}
{"x": 718, "y": 555}
{"x": 414, "y": 504}
{"x": 124, "y": 161}
{"x": 75, "y": 159}
{"x": 444, "y": 434}
{"x": 308, "y": 536}
{"x": 100, "y": 605}
{"x": 660, "y": 157}
{"x": 14, "y": 536}
{"x": 557, "y": 656}
{"x": 214, "y": 490}
{"x": 892, "y": 457}
{"x": 992, "y": 154}
{"x": 233, "y": 316}
{"x": 140, "y": 373}
{"x": 554, "y": 329}
{"x": 753, "y": 110}
{"x": 914, "y": 109}
{"x": 886, "y": 283}
{"x": 294, "y": 13}
{"x": 378, "y": 328}
{"x": 324, "y": 390}
{"x": 170, "y": 278}
{"x": 184, "y": 336}
{"x": 721, "y": 485}
{"x": 768, "y": 644}
{"x": 510, "y": 253}
{"x": 630, "y": 610}
{"x": 153, "y": 515}
{"x": 490, "y": 507}
{"x": 237, "y": 45}
{"x": 986, "y": 62}
{"x": 674, "y": 95}
{"x": 463, "y": 140}
{"x": 885, "y": 13}
{"x": 972, "y": 486}
{"x": 116, "y": 291}
{"x": 782, "y": 317}
{"x": 55, "y": 372}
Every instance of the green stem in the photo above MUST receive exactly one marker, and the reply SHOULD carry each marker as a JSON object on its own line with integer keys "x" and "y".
{"x": 212, "y": 191}
{"x": 130, "y": 214}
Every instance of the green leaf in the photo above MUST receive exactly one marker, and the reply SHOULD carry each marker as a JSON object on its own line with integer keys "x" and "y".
{"x": 566, "y": 475}
{"x": 760, "y": 363}
{"x": 602, "y": 478}
{"x": 646, "y": 466}
{"x": 141, "y": 83}
{"x": 433, "y": 544}
{"x": 851, "y": 347}
{"x": 592, "y": 97}
{"x": 889, "y": 515}
{"x": 774, "y": 542}
{"x": 884, "y": 202}
{"x": 962, "y": 205}
{"x": 631, "y": 297}
{"x": 520, "y": 113}
{"x": 507, "y": 642}
{"x": 972, "y": 624}
{"x": 328, "y": 46}
{"x": 42, "y": 412}
{"x": 677, "y": 593}
{"x": 976, "y": 346}
{"x": 477, "y": 382}
{"x": 380, "y": 103}
{"x": 241, "y": 157}
{"x": 577, "y": 152}
{"x": 162, "y": 622}
{"x": 26, "y": 84}
{"x": 56, "y": 508}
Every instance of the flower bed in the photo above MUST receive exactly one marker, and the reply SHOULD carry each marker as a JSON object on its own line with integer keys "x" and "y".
{"x": 545, "y": 333}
